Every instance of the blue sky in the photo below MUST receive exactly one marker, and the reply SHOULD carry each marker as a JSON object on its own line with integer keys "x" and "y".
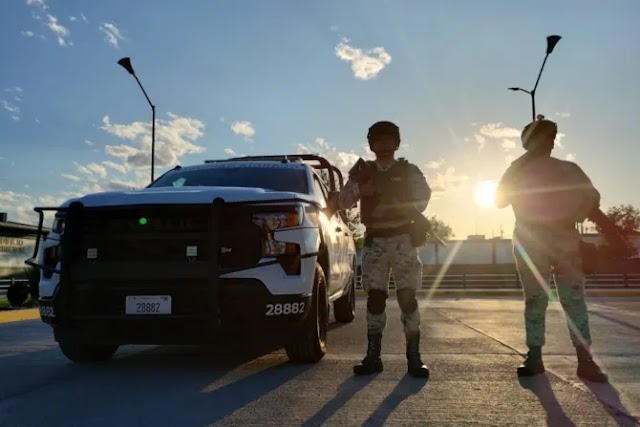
{"x": 289, "y": 76}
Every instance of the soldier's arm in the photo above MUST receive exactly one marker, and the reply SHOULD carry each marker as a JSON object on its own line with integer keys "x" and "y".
{"x": 349, "y": 195}
{"x": 504, "y": 190}
{"x": 591, "y": 195}
{"x": 420, "y": 190}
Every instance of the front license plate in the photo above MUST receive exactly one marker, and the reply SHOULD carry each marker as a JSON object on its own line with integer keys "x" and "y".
{"x": 148, "y": 304}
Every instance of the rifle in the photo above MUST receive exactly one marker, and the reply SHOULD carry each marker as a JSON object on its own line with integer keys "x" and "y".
{"x": 363, "y": 173}
{"x": 612, "y": 233}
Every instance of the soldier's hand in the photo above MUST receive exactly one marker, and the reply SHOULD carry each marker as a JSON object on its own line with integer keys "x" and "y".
{"x": 367, "y": 189}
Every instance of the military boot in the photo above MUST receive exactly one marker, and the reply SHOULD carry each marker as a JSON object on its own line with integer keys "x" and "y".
{"x": 533, "y": 363}
{"x": 414, "y": 364}
{"x": 372, "y": 362}
{"x": 587, "y": 368}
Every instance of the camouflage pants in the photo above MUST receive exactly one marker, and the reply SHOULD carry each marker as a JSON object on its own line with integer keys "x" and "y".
{"x": 538, "y": 250}
{"x": 396, "y": 254}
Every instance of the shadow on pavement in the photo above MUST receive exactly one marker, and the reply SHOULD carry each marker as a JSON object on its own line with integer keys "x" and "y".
{"x": 346, "y": 391}
{"x": 163, "y": 385}
{"x": 541, "y": 387}
{"x": 609, "y": 398}
{"x": 408, "y": 386}
{"x": 614, "y": 320}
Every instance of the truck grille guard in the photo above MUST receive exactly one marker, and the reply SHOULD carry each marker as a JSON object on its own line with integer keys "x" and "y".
{"x": 73, "y": 228}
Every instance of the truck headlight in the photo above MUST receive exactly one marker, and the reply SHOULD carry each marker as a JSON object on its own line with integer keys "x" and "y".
{"x": 269, "y": 222}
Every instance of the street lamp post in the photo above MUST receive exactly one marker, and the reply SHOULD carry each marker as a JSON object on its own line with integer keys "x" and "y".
{"x": 551, "y": 43}
{"x": 126, "y": 64}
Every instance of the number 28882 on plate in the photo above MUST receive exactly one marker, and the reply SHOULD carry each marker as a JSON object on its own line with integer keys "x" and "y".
{"x": 148, "y": 304}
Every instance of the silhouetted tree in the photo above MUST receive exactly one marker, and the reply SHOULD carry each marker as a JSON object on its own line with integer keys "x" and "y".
{"x": 440, "y": 228}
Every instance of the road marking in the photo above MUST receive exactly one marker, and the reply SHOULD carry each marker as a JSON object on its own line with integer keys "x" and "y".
{"x": 579, "y": 386}
{"x": 7, "y": 316}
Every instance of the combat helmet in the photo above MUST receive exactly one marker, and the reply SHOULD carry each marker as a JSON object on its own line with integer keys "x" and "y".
{"x": 541, "y": 128}
{"x": 384, "y": 128}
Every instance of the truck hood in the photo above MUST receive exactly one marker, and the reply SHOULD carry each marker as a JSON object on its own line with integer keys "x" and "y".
{"x": 186, "y": 195}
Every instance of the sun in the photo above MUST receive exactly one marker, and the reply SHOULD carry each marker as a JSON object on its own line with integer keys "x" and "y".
{"x": 485, "y": 194}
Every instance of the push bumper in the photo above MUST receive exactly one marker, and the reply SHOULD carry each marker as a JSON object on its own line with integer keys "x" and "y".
{"x": 246, "y": 308}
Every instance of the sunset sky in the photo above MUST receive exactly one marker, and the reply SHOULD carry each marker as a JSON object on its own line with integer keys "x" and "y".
{"x": 271, "y": 77}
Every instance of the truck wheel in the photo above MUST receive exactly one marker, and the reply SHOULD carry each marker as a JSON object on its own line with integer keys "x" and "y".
{"x": 345, "y": 307}
{"x": 83, "y": 352}
{"x": 311, "y": 344}
{"x": 17, "y": 294}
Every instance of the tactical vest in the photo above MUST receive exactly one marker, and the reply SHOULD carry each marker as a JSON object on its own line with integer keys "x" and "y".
{"x": 393, "y": 191}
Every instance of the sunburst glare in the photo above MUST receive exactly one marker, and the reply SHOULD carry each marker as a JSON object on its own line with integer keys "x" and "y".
{"x": 485, "y": 194}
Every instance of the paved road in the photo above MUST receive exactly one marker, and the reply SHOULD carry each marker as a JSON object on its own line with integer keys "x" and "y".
{"x": 471, "y": 346}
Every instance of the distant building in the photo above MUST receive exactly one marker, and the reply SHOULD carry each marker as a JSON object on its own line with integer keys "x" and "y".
{"x": 17, "y": 243}
{"x": 479, "y": 255}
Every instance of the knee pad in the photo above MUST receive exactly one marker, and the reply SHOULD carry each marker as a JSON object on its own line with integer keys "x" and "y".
{"x": 376, "y": 301}
{"x": 407, "y": 300}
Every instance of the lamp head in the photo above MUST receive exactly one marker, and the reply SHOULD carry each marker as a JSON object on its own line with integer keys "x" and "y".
{"x": 552, "y": 41}
{"x": 126, "y": 64}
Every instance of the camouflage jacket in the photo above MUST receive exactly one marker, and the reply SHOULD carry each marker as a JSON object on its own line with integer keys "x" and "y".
{"x": 419, "y": 191}
{"x": 547, "y": 191}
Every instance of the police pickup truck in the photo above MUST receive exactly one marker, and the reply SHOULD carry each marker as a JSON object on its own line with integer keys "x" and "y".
{"x": 252, "y": 245}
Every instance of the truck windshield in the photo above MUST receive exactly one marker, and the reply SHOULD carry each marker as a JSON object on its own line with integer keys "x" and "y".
{"x": 269, "y": 178}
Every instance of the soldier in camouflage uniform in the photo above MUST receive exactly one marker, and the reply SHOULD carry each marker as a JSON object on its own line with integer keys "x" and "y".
{"x": 548, "y": 197}
{"x": 394, "y": 192}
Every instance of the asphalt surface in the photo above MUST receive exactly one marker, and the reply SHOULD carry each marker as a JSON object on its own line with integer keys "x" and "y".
{"x": 472, "y": 347}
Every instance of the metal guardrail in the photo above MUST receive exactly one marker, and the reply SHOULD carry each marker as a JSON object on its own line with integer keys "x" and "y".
{"x": 511, "y": 281}
{"x": 465, "y": 281}
{"x": 5, "y": 283}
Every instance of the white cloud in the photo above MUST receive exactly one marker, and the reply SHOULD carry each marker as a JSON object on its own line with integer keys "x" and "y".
{"x": 89, "y": 143}
{"x": 115, "y": 166}
{"x": 128, "y": 167}
{"x": 73, "y": 178}
{"x": 334, "y": 28}
{"x": 20, "y": 206}
{"x": 84, "y": 18}
{"x": 118, "y": 185}
{"x": 230, "y": 152}
{"x": 175, "y": 138}
{"x": 341, "y": 159}
{"x": 558, "y": 141}
{"x": 97, "y": 169}
{"x": 481, "y": 140}
{"x": 244, "y": 128}
{"x": 447, "y": 181}
{"x": 112, "y": 33}
{"x": 564, "y": 115}
{"x": 73, "y": 19}
{"x": 571, "y": 157}
{"x": 508, "y": 144}
{"x": 28, "y": 33}
{"x": 38, "y": 3}
{"x": 59, "y": 30}
{"x": 497, "y": 130}
{"x": 365, "y": 65}
{"x": 12, "y": 109}
{"x": 435, "y": 164}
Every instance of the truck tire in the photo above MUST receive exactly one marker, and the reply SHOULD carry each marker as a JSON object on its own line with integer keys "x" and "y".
{"x": 87, "y": 353}
{"x": 17, "y": 294}
{"x": 344, "y": 307}
{"x": 311, "y": 344}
